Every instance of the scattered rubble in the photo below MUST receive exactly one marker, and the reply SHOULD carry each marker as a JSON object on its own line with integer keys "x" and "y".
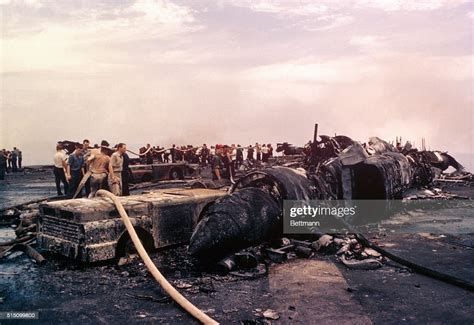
{"x": 271, "y": 314}
{"x": 337, "y": 168}
{"x": 130, "y": 272}
{"x": 24, "y": 223}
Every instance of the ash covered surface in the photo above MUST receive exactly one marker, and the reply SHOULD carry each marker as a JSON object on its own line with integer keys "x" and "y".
{"x": 318, "y": 289}
{"x": 30, "y": 184}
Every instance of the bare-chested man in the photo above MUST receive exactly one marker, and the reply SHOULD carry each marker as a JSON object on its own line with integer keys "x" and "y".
{"x": 98, "y": 163}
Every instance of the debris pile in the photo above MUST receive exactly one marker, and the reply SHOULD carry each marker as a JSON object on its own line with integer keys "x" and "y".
{"x": 24, "y": 223}
{"x": 333, "y": 168}
{"x": 253, "y": 262}
{"x": 456, "y": 177}
{"x": 430, "y": 193}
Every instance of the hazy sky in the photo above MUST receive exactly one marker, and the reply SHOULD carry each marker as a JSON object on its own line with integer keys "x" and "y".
{"x": 237, "y": 71}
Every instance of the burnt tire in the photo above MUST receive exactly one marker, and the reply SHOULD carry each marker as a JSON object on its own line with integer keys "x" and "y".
{"x": 147, "y": 178}
{"x": 125, "y": 246}
{"x": 176, "y": 174}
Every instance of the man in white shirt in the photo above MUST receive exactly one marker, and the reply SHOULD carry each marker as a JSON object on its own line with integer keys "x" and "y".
{"x": 258, "y": 150}
{"x": 59, "y": 167}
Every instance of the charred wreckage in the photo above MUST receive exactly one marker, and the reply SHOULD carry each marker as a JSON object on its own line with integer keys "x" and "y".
{"x": 218, "y": 223}
{"x": 334, "y": 168}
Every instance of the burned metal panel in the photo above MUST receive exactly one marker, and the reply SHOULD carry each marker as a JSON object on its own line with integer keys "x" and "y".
{"x": 175, "y": 213}
{"x": 61, "y": 228}
{"x": 111, "y": 230}
{"x": 99, "y": 252}
{"x": 383, "y": 176}
{"x": 346, "y": 182}
{"x": 291, "y": 184}
{"x": 90, "y": 253}
{"x": 91, "y": 241}
{"x": 173, "y": 224}
{"x": 61, "y": 247}
{"x": 328, "y": 179}
{"x": 84, "y": 210}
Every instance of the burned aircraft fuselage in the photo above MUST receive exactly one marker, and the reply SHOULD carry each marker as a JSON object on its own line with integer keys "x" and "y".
{"x": 250, "y": 214}
{"x": 342, "y": 169}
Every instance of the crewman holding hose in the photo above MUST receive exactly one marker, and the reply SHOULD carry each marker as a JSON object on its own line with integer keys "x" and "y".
{"x": 98, "y": 165}
{"x": 149, "y": 154}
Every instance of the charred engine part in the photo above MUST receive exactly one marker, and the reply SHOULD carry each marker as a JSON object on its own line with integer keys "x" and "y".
{"x": 242, "y": 219}
{"x": 250, "y": 214}
{"x": 327, "y": 179}
{"x": 281, "y": 182}
{"x": 423, "y": 174}
{"x": 372, "y": 172}
{"x": 382, "y": 177}
{"x": 328, "y": 147}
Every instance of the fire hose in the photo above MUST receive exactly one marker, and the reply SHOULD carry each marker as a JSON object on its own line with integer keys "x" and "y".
{"x": 178, "y": 297}
{"x": 143, "y": 153}
{"x": 160, "y": 151}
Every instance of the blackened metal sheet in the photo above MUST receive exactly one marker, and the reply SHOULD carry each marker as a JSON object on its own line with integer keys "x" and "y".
{"x": 292, "y": 184}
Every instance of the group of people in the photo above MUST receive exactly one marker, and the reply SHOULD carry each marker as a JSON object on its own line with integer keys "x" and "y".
{"x": 224, "y": 159}
{"x": 10, "y": 161}
{"x": 203, "y": 155}
{"x": 97, "y": 170}
{"x": 95, "y": 167}
{"x": 173, "y": 154}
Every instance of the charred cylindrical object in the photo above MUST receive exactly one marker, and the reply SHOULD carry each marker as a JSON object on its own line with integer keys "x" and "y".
{"x": 226, "y": 265}
{"x": 251, "y": 214}
{"x": 236, "y": 221}
{"x": 380, "y": 177}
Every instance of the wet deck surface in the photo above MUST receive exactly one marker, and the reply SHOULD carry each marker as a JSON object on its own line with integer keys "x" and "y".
{"x": 302, "y": 291}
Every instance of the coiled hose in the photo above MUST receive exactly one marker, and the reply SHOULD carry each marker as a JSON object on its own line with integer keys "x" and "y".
{"x": 179, "y": 298}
